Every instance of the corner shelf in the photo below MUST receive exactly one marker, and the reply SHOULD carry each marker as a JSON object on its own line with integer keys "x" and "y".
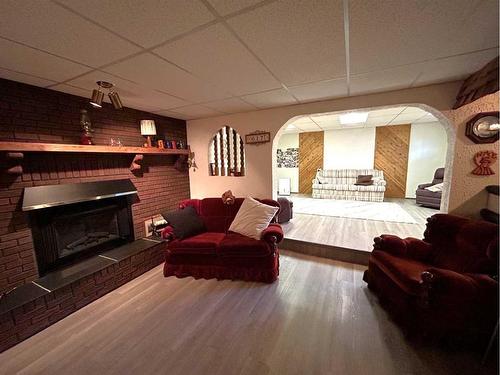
{"x": 14, "y": 151}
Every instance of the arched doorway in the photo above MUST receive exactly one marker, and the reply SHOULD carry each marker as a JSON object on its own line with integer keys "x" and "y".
{"x": 447, "y": 132}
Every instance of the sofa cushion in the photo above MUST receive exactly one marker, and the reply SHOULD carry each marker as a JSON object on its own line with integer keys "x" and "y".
{"x": 252, "y": 218}
{"x": 186, "y": 222}
{"x": 235, "y": 244}
{"x": 406, "y": 273}
{"x": 204, "y": 243}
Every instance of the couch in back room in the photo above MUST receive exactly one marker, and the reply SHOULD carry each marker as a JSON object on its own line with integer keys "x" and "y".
{"x": 340, "y": 184}
{"x": 428, "y": 198}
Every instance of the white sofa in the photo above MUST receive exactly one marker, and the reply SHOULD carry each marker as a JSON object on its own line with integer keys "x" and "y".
{"x": 340, "y": 184}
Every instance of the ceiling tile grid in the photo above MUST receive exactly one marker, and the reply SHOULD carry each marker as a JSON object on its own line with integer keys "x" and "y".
{"x": 212, "y": 57}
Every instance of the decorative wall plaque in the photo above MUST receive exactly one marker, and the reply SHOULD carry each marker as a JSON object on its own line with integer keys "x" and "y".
{"x": 483, "y": 128}
{"x": 258, "y": 137}
{"x": 483, "y": 160}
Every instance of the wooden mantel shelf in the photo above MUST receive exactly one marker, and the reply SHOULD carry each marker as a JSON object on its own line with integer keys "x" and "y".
{"x": 15, "y": 152}
{"x": 57, "y": 147}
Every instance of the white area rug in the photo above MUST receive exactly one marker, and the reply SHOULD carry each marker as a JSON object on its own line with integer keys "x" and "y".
{"x": 381, "y": 211}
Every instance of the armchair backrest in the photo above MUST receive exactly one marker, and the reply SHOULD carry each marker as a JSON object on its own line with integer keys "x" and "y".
{"x": 462, "y": 245}
{"x": 217, "y": 216}
{"x": 438, "y": 176}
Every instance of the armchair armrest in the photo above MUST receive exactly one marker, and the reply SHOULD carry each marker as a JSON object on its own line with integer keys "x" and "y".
{"x": 273, "y": 233}
{"x": 423, "y": 186}
{"x": 409, "y": 247}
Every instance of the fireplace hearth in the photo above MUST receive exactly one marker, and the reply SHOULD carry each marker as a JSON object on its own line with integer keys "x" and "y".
{"x": 72, "y": 222}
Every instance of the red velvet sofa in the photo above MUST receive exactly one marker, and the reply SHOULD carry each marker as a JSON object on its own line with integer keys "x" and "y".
{"x": 220, "y": 254}
{"x": 443, "y": 285}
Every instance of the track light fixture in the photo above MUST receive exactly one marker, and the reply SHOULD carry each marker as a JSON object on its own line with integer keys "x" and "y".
{"x": 98, "y": 95}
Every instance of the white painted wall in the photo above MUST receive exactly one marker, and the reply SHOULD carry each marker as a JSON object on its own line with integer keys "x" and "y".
{"x": 349, "y": 148}
{"x": 427, "y": 152}
{"x": 289, "y": 141}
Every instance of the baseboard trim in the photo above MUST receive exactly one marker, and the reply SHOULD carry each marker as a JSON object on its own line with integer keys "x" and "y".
{"x": 326, "y": 251}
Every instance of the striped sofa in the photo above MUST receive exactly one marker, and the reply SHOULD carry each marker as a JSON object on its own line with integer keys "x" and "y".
{"x": 340, "y": 184}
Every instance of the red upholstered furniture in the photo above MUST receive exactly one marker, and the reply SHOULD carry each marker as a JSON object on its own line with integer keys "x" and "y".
{"x": 220, "y": 254}
{"x": 441, "y": 286}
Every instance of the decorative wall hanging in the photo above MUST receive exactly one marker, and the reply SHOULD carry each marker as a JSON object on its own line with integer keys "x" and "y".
{"x": 226, "y": 155}
{"x": 483, "y": 128}
{"x": 257, "y": 137}
{"x": 288, "y": 158}
{"x": 483, "y": 160}
{"x": 86, "y": 137}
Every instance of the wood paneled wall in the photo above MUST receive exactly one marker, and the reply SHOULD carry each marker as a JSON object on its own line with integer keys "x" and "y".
{"x": 310, "y": 159}
{"x": 391, "y": 156}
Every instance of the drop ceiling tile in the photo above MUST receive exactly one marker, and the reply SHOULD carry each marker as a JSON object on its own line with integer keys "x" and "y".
{"x": 145, "y": 22}
{"x": 394, "y": 32}
{"x": 50, "y": 27}
{"x": 309, "y": 127}
{"x": 454, "y": 68}
{"x": 153, "y": 72}
{"x": 196, "y": 111}
{"x": 215, "y": 55}
{"x": 385, "y": 112}
{"x": 328, "y": 126}
{"x": 380, "y": 120}
{"x": 405, "y": 119}
{"x": 320, "y": 90}
{"x": 30, "y": 61}
{"x": 132, "y": 94}
{"x": 426, "y": 118}
{"x": 224, "y": 7}
{"x": 24, "y": 78}
{"x": 386, "y": 80}
{"x": 300, "y": 41}
{"x": 413, "y": 111}
{"x": 230, "y": 105}
{"x": 303, "y": 120}
{"x": 68, "y": 89}
{"x": 273, "y": 98}
{"x": 171, "y": 114}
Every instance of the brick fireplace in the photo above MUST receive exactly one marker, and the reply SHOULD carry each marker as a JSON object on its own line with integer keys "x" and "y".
{"x": 33, "y": 114}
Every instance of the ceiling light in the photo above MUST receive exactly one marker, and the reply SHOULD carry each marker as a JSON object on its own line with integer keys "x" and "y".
{"x": 115, "y": 100}
{"x": 96, "y": 99}
{"x": 98, "y": 95}
{"x": 291, "y": 127}
{"x": 353, "y": 118}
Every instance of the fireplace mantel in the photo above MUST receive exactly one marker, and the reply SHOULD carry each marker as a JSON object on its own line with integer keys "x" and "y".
{"x": 15, "y": 150}
{"x": 60, "y": 147}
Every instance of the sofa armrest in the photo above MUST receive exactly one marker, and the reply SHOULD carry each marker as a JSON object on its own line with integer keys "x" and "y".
{"x": 409, "y": 247}
{"x": 273, "y": 233}
{"x": 167, "y": 233}
{"x": 379, "y": 181}
{"x": 446, "y": 285}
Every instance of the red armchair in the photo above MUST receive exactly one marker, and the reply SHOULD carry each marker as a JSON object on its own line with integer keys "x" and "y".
{"x": 220, "y": 254}
{"x": 443, "y": 285}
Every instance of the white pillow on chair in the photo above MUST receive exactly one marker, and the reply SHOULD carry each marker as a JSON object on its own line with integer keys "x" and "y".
{"x": 252, "y": 218}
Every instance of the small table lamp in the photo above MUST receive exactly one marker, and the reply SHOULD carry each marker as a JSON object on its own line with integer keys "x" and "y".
{"x": 148, "y": 129}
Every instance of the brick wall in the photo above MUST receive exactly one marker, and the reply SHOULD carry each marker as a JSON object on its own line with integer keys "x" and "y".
{"x": 33, "y": 114}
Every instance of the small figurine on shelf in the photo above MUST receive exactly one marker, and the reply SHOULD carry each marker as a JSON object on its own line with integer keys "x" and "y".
{"x": 161, "y": 144}
{"x": 86, "y": 138}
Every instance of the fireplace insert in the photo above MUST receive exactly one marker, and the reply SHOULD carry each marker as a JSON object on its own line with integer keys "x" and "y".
{"x": 82, "y": 224}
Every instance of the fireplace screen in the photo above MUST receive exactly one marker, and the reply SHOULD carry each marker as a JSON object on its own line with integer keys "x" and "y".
{"x": 81, "y": 231}
{"x": 65, "y": 234}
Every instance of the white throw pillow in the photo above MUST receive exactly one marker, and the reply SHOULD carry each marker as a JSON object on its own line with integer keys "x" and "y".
{"x": 252, "y": 218}
{"x": 435, "y": 188}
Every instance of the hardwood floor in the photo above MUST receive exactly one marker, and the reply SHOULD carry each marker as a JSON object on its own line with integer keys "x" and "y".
{"x": 355, "y": 233}
{"x": 319, "y": 318}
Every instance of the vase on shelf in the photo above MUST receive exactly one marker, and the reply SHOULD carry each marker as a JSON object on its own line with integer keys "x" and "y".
{"x": 86, "y": 137}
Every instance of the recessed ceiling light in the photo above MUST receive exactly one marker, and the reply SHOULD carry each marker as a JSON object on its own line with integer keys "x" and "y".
{"x": 353, "y": 118}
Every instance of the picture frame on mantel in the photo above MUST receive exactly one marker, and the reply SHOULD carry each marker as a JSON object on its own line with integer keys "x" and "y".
{"x": 257, "y": 137}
